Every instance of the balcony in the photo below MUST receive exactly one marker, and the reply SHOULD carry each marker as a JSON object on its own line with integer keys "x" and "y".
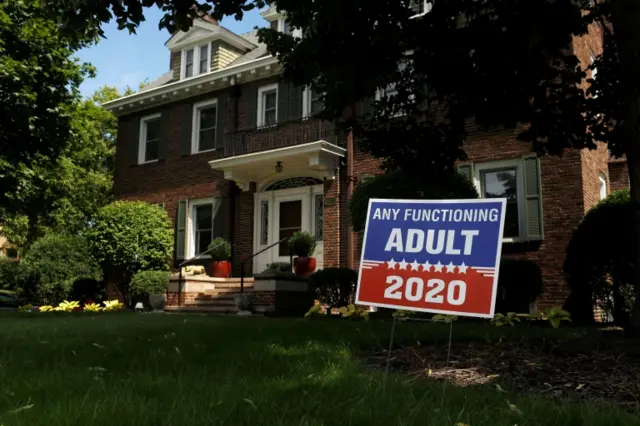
{"x": 281, "y": 135}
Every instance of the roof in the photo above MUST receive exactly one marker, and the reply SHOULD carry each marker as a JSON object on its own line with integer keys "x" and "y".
{"x": 165, "y": 78}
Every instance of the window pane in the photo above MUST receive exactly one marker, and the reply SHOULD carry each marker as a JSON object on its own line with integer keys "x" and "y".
{"x": 203, "y": 66}
{"x": 270, "y": 99}
{"x": 264, "y": 220}
{"x": 207, "y": 139}
{"x": 287, "y": 28}
{"x": 204, "y": 58}
{"x": 153, "y": 129}
{"x": 188, "y": 70}
{"x": 203, "y": 239}
{"x": 316, "y": 106}
{"x": 274, "y": 25}
{"x": 208, "y": 117}
{"x": 151, "y": 151}
{"x": 203, "y": 217}
{"x": 290, "y": 222}
{"x": 503, "y": 184}
{"x": 189, "y": 56}
{"x": 319, "y": 216}
{"x": 270, "y": 117}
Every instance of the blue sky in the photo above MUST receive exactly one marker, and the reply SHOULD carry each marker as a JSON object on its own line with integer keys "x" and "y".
{"x": 124, "y": 59}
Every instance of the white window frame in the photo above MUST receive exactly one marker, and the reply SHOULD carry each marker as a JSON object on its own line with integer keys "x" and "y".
{"x": 306, "y": 102}
{"x": 427, "y": 8}
{"x": 191, "y": 225}
{"x": 196, "y": 60}
{"x": 603, "y": 186}
{"x": 295, "y": 33}
{"x": 261, "y": 111}
{"x": 142, "y": 138}
{"x": 195, "y": 125}
{"x": 517, "y": 163}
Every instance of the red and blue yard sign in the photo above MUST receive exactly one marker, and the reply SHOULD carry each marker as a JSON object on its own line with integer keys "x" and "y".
{"x": 439, "y": 256}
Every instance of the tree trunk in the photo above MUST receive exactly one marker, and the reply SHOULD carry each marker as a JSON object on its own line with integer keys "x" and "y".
{"x": 625, "y": 18}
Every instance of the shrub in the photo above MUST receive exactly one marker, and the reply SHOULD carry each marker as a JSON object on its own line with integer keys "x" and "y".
{"x": 334, "y": 287}
{"x": 397, "y": 185}
{"x": 53, "y": 264}
{"x": 303, "y": 244}
{"x": 599, "y": 262}
{"x": 149, "y": 282}
{"x": 221, "y": 249}
{"x": 519, "y": 285}
{"x": 9, "y": 274}
{"x": 279, "y": 266}
{"x": 127, "y": 237}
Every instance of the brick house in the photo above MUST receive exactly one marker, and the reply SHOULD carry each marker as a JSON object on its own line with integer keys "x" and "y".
{"x": 229, "y": 149}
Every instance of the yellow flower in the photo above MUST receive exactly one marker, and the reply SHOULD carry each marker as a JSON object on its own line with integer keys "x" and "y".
{"x": 67, "y": 306}
{"x": 113, "y": 305}
{"x": 92, "y": 307}
{"x": 25, "y": 308}
{"x": 46, "y": 308}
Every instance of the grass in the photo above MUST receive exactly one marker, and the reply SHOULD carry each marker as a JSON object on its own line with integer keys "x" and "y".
{"x": 126, "y": 369}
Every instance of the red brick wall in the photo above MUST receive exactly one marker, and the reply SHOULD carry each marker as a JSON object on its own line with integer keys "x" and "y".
{"x": 618, "y": 175}
{"x": 594, "y": 164}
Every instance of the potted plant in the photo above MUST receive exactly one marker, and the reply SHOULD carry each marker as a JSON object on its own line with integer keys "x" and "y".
{"x": 220, "y": 255}
{"x": 303, "y": 245}
{"x": 148, "y": 287}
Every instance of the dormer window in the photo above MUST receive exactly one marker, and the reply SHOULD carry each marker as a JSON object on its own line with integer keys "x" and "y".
{"x": 283, "y": 26}
{"x": 421, "y": 7}
{"x": 196, "y": 60}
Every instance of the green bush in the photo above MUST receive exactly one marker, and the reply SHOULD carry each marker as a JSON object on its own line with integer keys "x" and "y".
{"x": 131, "y": 236}
{"x": 519, "y": 285}
{"x": 397, "y": 185}
{"x": 9, "y": 274}
{"x": 53, "y": 264}
{"x": 303, "y": 244}
{"x": 600, "y": 261}
{"x": 221, "y": 249}
{"x": 334, "y": 287}
{"x": 279, "y": 266}
{"x": 149, "y": 282}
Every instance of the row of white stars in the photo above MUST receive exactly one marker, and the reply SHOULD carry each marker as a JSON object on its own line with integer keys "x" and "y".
{"x": 426, "y": 266}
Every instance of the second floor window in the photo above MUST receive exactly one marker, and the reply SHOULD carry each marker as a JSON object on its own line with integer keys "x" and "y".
{"x": 312, "y": 102}
{"x": 268, "y": 105}
{"x": 196, "y": 60}
{"x": 149, "y": 143}
{"x": 205, "y": 123}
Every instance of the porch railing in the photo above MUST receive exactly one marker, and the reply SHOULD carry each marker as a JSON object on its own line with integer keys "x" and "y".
{"x": 187, "y": 262}
{"x": 260, "y": 252}
{"x": 279, "y": 135}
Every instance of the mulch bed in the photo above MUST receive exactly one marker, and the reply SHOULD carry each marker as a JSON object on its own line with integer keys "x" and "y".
{"x": 606, "y": 369}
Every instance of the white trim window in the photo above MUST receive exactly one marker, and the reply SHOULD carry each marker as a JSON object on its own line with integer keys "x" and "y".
{"x": 421, "y": 7}
{"x": 603, "y": 186}
{"x": 201, "y": 215}
{"x": 205, "y": 124}
{"x": 196, "y": 60}
{"x": 268, "y": 105}
{"x": 311, "y": 102}
{"x": 282, "y": 26}
{"x": 149, "y": 139}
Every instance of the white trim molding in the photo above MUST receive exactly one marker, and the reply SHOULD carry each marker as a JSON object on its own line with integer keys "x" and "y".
{"x": 191, "y": 223}
{"x": 261, "y": 120}
{"x": 142, "y": 138}
{"x": 195, "y": 127}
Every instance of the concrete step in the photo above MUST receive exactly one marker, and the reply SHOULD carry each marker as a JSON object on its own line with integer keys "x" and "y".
{"x": 229, "y": 310}
{"x": 228, "y": 290}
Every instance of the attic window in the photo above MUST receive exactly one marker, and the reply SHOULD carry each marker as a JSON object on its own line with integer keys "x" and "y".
{"x": 421, "y": 7}
{"x": 283, "y": 26}
{"x": 196, "y": 60}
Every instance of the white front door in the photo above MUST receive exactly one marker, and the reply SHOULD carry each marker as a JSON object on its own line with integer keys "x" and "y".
{"x": 278, "y": 215}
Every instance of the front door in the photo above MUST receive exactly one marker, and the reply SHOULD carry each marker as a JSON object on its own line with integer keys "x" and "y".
{"x": 278, "y": 215}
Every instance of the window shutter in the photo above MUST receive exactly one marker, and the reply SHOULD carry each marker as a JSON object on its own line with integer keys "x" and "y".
{"x": 466, "y": 170}
{"x": 164, "y": 136}
{"x": 283, "y": 101}
{"x": 135, "y": 141}
{"x": 187, "y": 122}
{"x": 533, "y": 198}
{"x": 295, "y": 105}
{"x": 250, "y": 99}
{"x": 181, "y": 229}
{"x": 221, "y": 112}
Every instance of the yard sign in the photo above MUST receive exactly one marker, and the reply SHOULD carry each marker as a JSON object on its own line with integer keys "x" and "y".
{"x": 439, "y": 256}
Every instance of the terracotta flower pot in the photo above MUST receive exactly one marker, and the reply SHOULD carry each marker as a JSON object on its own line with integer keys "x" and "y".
{"x": 304, "y": 266}
{"x": 221, "y": 268}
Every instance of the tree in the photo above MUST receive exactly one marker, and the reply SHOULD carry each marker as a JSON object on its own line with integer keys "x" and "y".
{"x": 130, "y": 236}
{"x": 39, "y": 82}
{"x": 62, "y": 195}
{"x": 498, "y": 62}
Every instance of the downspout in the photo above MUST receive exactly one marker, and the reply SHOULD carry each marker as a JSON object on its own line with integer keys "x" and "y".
{"x": 350, "y": 179}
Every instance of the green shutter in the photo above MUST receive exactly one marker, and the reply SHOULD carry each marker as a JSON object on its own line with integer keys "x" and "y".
{"x": 181, "y": 229}
{"x": 185, "y": 125}
{"x": 533, "y": 198}
{"x": 221, "y": 112}
{"x": 283, "y": 101}
{"x": 134, "y": 150}
{"x": 164, "y": 136}
{"x": 466, "y": 170}
{"x": 250, "y": 100}
{"x": 295, "y": 104}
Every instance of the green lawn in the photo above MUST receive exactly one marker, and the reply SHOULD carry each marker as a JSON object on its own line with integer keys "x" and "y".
{"x": 126, "y": 369}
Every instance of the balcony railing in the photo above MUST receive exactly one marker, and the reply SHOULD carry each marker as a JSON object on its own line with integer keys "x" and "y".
{"x": 280, "y": 135}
